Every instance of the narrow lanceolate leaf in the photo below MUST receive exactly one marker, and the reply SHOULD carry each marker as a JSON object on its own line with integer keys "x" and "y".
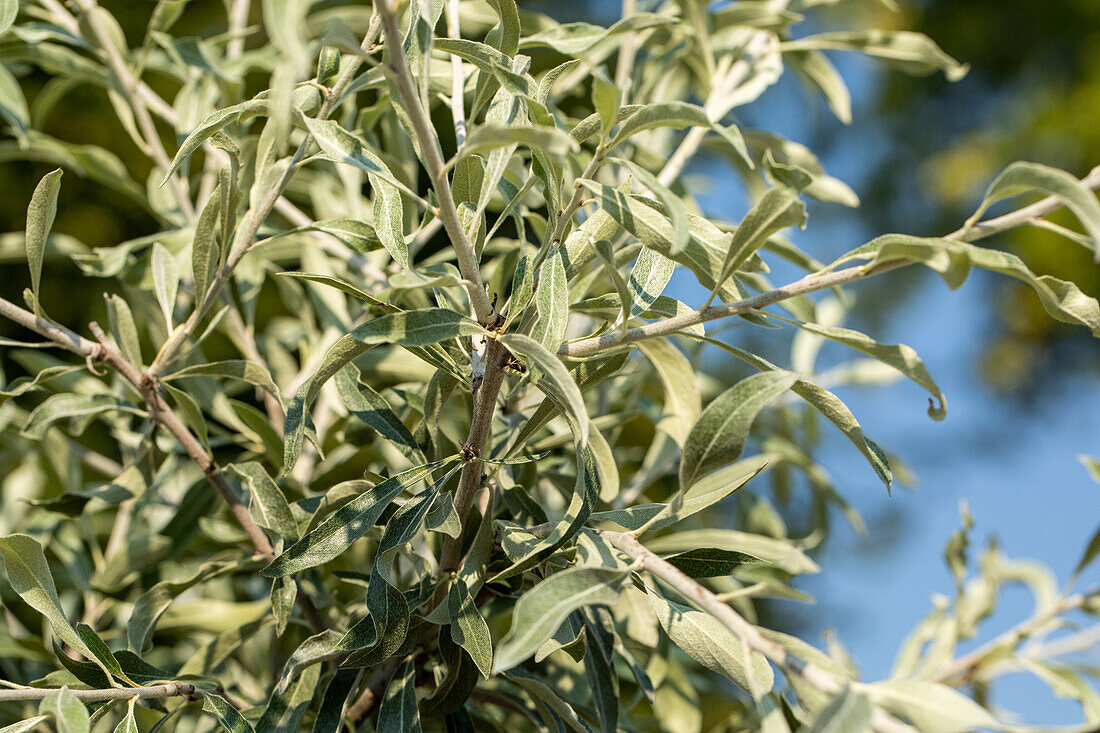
{"x": 208, "y": 127}
{"x": 399, "y": 712}
{"x": 356, "y": 234}
{"x": 776, "y": 210}
{"x": 40, "y": 215}
{"x": 784, "y": 554}
{"x": 205, "y": 254}
{"x": 899, "y": 356}
{"x": 227, "y": 716}
{"x": 710, "y": 562}
{"x": 678, "y": 115}
{"x": 8, "y": 10}
{"x": 952, "y": 260}
{"x": 554, "y": 379}
{"x": 128, "y": 724}
{"x": 246, "y": 371}
{"x": 682, "y": 400}
{"x": 551, "y": 140}
{"x": 166, "y": 280}
{"x": 912, "y": 53}
{"x": 266, "y": 501}
{"x": 551, "y": 302}
{"x": 818, "y": 71}
{"x": 416, "y": 328}
{"x": 68, "y": 713}
{"x": 543, "y": 609}
{"x": 71, "y": 405}
{"x": 709, "y": 643}
{"x": 330, "y": 712}
{"x": 719, "y": 435}
{"x": 848, "y": 712}
{"x": 13, "y": 105}
{"x": 572, "y": 39}
{"x": 707, "y": 491}
{"x": 26, "y": 569}
{"x": 831, "y": 406}
{"x": 346, "y": 525}
{"x": 931, "y": 706}
{"x": 25, "y": 725}
{"x": 372, "y": 408}
{"x": 648, "y": 278}
{"x": 1023, "y": 177}
{"x": 468, "y": 628}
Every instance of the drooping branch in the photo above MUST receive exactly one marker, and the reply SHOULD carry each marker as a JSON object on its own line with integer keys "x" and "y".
{"x": 808, "y": 284}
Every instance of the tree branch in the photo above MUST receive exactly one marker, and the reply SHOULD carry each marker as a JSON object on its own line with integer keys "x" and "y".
{"x": 103, "y": 350}
{"x": 433, "y": 163}
{"x": 808, "y": 284}
{"x": 170, "y": 689}
{"x": 750, "y": 636}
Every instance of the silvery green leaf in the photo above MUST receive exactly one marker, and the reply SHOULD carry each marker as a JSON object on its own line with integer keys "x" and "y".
{"x": 344, "y": 286}
{"x": 166, "y": 280}
{"x": 784, "y": 554}
{"x": 719, "y": 435}
{"x": 541, "y": 610}
{"x": 848, "y": 712}
{"x": 287, "y": 707}
{"x": 678, "y": 115}
{"x": 205, "y": 253}
{"x": 372, "y": 408}
{"x": 331, "y": 710}
{"x": 25, "y": 567}
{"x": 13, "y": 105}
{"x": 818, "y": 71}
{"x": 68, "y": 713}
{"x": 246, "y": 371}
{"x": 416, "y": 328}
{"x": 554, "y": 379}
{"x": 831, "y": 406}
{"x": 572, "y": 39}
{"x": 912, "y": 53}
{"x": 8, "y": 10}
{"x": 543, "y": 691}
{"x": 227, "y": 716}
{"x": 931, "y": 706}
{"x": 708, "y": 490}
{"x": 347, "y": 524}
{"x": 776, "y": 210}
{"x": 211, "y": 125}
{"x": 152, "y": 604}
{"x": 490, "y": 136}
{"x": 357, "y": 235}
{"x": 682, "y": 400}
{"x": 120, "y": 319}
{"x": 490, "y": 61}
{"x": 677, "y": 215}
{"x": 710, "y": 562}
{"x": 709, "y": 643}
{"x": 266, "y": 501}
{"x": 40, "y": 215}
{"x": 25, "y": 725}
{"x": 605, "y": 98}
{"x": 551, "y": 302}
{"x": 1021, "y": 177}
{"x": 899, "y": 356}
{"x": 75, "y": 406}
{"x": 399, "y": 712}
{"x": 468, "y": 628}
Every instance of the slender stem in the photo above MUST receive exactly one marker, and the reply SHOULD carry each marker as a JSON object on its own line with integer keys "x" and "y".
{"x": 247, "y": 238}
{"x": 103, "y": 350}
{"x": 144, "y": 120}
{"x": 238, "y": 19}
{"x": 433, "y": 163}
{"x": 965, "y": 665}
{"x": 750, "y": 635}
{"x": 458, "y": 78}
{"x": 170, "y": 689}
{"x": 566, "y": 214}
{"x": 372, "y": 693}
{"x": 808, "y": 284}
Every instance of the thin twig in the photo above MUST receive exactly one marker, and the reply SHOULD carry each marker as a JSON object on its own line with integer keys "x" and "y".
{"x": 170, "y": 689}
{"x": 821, "y": 679}
{"x": 433, "y": 163}
{"x": 808, "y": 284}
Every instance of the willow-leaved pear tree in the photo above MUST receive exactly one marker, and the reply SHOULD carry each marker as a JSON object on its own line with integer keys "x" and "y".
{"x": 389, "y": 421}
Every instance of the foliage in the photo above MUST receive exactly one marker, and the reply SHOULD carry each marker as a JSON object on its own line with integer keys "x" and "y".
{"x": 439, "y": 454}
